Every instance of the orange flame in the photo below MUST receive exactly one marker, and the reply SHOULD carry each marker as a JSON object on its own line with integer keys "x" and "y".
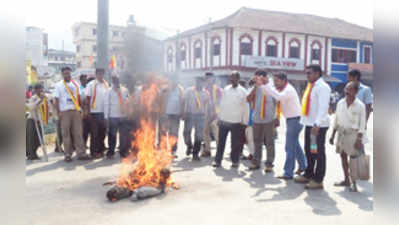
{"x": 144, "y": 168}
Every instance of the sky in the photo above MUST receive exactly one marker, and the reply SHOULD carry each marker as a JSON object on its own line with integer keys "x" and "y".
{"x": 57, "y": 17}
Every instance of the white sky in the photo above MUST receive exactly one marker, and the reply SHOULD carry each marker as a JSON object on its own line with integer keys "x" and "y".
{"x": 57, "y": 17}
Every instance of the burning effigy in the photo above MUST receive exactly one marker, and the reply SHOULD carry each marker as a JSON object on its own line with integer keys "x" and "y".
{"x": 145, "y": 172}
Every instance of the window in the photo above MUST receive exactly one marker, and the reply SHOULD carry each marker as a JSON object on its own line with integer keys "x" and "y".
{"x": 183, "y": 55}
{"x": 294, "y": 49}
{"x": 271, "y": 48}
{"x": 94, "y": 48}
{"x": 316, "y": 51}
{"x": 197, "y": 52}
{"x": 246, "y": 48}
{"x": 77, "y": 48}
{"x": 316, "y": 54}
{"x": 367, "y": 58}
{"x": 170, "y": 58}
{"x": 115, "y": 33}
{"x": 94, "y": 31}
{"x": 343, "y": 55}
{"x": 216, "y": 49}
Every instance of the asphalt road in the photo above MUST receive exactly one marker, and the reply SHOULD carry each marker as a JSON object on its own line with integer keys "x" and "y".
{"x": 72, "y": 194}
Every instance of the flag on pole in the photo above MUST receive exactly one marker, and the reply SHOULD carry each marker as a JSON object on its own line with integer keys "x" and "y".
{"x": 91, "y": 60}
{"x": 112, "y": 63}
{"x": 32, "y": 73}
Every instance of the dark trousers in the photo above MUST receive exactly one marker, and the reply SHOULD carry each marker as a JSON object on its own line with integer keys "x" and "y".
{"x": 196, "y": 122}
{"x": 123, "y": 126}
{"x": 236, "y": 141}
{"x": 316, "y": 171}
{"x": 170, "y": 124}
{"x": 32, "y": 138}
{"x": 97, "y": 132}
{"x": 86, "y": 130}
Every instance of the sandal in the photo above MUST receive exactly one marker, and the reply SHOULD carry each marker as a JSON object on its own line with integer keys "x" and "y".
{"x": 342, "y": 184}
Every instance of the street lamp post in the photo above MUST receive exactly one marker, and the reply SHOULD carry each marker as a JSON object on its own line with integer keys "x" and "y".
{"x": 102, "y": 36}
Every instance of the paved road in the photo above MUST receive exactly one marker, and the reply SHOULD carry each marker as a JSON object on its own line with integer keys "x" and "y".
{"x": 72, "y": 194}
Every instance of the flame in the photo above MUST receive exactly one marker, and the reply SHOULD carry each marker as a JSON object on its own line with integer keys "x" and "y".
{"x": 144, "y": 168}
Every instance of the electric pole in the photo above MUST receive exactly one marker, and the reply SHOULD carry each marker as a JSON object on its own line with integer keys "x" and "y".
{"x": 102, "y": 36}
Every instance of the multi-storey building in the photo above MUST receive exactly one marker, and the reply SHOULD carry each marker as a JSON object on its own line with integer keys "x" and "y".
{"x": 278, "y": 41}
{"x": 36, "y": 45}
{"x": 85, "y": 37}
{"x": 59, "y": 58}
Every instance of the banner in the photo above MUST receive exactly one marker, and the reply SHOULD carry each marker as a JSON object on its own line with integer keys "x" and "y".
{"x": 273, "y": 63}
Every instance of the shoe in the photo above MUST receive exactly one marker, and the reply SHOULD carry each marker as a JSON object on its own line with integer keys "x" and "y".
{"x": 196, "y": 158}
{"x": 249, "y": 157}
{"x": 34, "y": 157}
{"x": 110, "y": 155}
{"x": 98, "y": 155}
{"x": 301, "y": 179}
{"x": 84, "y": 157}
{"x": 342, "y": 184}
{"x": 215, "y": 164}
{"x": 268, "y": 169}
{"x": 353, "y": 187}
{"x": 189, "y": 151}
{"x": 235, "y": 165}
{"x": 299, "y": 172}
{"x": 206, "y": 154}
{"x": 68, "y": 159}
{"x": 283, "y": 177}
{"x": 314, "y": 185}
{"x": 254, "y": 167}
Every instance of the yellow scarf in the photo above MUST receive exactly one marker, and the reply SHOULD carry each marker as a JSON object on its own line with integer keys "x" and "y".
{"x": 263, "y": 107}
{"x": 306, "y": 99}
{"x": 214, "y": 94}
{"x": 76, "y": 101}
{"x": 197, "y": 100}
{"x": 93, "y": 103}
{"x": 44, "y": 111}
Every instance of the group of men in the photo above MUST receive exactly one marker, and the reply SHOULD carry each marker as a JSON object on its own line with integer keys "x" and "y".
{"x": 250, "y": 114}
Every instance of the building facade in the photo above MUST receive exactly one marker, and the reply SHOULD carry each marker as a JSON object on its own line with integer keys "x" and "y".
{"x": 277, "y": 41}
{"x": 85, "y": 39}
{"x": 59, "y": 58}
{"x": 36, "y": 46}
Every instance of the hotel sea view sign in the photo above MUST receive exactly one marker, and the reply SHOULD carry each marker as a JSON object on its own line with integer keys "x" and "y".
{"x": 273, "y": 63}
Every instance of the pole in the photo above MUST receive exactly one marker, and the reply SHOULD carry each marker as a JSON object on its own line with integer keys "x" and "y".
{"x": 178, "y": 52}
{"x": 41, "y": 138}
{"x": 102, "y": 36}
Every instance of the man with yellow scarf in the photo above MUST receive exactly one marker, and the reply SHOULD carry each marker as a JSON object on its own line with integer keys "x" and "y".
{"x": 315, "y": 118}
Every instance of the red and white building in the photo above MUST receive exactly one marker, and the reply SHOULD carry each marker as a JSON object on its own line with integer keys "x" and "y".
{"x": 252, "y": 38}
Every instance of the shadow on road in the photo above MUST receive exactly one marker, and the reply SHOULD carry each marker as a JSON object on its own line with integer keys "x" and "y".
{"x": 228, "y": 174}
{"x": 186, "y": 164}
{"x": 322, "y": 203}
{"x": 361, "y": 199}
{"x": 57, "y": 164}
{"x": 289, "y": 192}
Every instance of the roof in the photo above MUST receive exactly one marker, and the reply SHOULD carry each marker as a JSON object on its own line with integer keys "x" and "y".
{"x": 289, "y": 22}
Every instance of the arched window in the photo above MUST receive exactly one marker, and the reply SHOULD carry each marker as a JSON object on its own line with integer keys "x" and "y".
{"x": 316, "y": 52}
{"x": 197, "y": 49}
{"x": 216, "y": 43}
{"x": 294, "y": 48}
{"x": 246, "y": 44}
{"x": 271, "y": 47}
{"x": 183, "y": 50}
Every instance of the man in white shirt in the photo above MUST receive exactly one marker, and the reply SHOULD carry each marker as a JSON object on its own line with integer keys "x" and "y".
{"x": 288, "y": 105}
{"x": 315, "y": 118}
{"x": 95, "y": 111}
{"x": 68, "y": 105}
{"x": 233, "y": 116}
{"x": 115, "y": 119}
{"x": 350, "y": 123}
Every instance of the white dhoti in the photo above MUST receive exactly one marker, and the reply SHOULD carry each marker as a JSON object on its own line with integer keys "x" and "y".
{"x": 249, "y": 133}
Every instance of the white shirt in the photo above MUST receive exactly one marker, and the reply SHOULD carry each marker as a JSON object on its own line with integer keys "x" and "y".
{"x": 319, "y": 104}
{"x": 288, "y": 98}
{"x": 234, "y": 105}
{"x": 112, "y": 106}
{"x": 65, "y": 100}
{"x": 353, "y": 117}
{"x": 100, "y": 92}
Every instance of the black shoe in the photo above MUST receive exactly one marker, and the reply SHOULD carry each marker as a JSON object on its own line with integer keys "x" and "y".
{"x": 189, "y": 151}
{"x": 283, "y": 177}
{"x": 110, "y": 155}
{"x": 68, "y": 159}
{"x": 33, "y": 157}
{"x": 215, "y": 164}
{"x": 234, "y": 165}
